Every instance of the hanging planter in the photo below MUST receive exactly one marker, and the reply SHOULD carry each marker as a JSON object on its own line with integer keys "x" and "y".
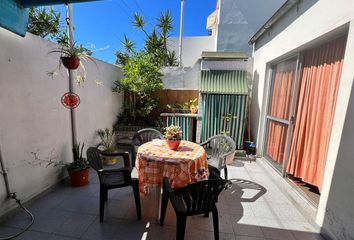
{"x": 71, "y": 63}
{"x": 72, "y": 54}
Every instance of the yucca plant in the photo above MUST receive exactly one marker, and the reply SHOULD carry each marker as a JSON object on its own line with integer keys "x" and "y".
{"x": 79, "y": 163}
{"x": 107, "y": 140}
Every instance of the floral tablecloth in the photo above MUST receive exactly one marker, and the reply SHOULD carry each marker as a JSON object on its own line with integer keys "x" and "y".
{"x": 184, "y": 166}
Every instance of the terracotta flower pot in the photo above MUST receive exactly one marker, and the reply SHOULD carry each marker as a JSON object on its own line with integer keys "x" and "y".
{"x": 71, "y": 63}
{"x": 79, "y": 178}
{"x": 173, "y": 144}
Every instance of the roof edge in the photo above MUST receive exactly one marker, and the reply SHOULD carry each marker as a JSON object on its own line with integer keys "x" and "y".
{"x": 289, "y": 4}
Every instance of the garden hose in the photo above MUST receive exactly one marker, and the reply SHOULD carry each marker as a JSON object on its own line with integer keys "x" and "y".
{"x": 18, "y": 201}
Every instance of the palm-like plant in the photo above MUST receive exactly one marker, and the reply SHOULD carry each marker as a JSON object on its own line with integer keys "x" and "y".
{"x": 107, "y": 140}
{"x": 172, "y": 59}
{"x": 139, "y": 22}
{"x": 165, "y": 24}
{"x": 155, "y": 43}
{"x": 79, "y": 163}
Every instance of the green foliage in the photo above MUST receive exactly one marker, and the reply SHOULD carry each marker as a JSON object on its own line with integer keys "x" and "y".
{"x": 173, "y": 133}
{"x": 141, "y": 79}
{"x": 155, "y": 42}
{"x": 79, "y": 163}
{"x": 172, "y": 59}
{"x": 45, "y": 22}
{"x": 141, "y": 69}
{"x": 107, "y": 140}
{"x": 73, "y": 50}
{"x": 141, "y": 76}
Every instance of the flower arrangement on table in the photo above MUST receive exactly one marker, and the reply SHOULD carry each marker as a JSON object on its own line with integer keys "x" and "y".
{"x": 173, "y": 136}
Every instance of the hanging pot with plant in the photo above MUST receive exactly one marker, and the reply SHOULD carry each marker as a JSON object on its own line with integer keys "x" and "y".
{"x": 72, "y": 54}
{"x": 71, "y": 63}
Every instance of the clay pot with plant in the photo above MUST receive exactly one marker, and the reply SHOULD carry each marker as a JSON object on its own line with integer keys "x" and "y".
{"x": 193, "y": 107}
{"x": 107, "y": 145}
{"x": 78, "y": 170}
{"x": 72, "y": 54}
{"x": 173, "y": 136}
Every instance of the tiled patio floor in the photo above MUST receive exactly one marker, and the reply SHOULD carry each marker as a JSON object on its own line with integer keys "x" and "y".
{"x": 72, "y": 213}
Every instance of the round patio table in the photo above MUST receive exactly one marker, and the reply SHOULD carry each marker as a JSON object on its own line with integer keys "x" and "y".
{"x": 183, "y": 166}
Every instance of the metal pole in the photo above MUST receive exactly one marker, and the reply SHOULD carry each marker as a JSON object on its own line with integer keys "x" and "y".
{"x": 3, "y": 171}
{"x": 181, "y": 34}
{"x": 69, "y": 22}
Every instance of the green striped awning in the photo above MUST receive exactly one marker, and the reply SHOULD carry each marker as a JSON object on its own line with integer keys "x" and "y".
{"x": 224, "y": 82}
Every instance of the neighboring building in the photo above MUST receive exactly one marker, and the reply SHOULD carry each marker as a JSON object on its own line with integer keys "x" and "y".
{"x": 237, "y": 20}
{"x": 192, "y": 48}
{"x": 303, "y": 103}
{"x": 231, "y": 25}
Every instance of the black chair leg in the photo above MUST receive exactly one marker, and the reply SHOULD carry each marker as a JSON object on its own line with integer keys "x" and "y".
{"x": 133, "y": 156}
{"x": 216, "y": 223}
{"x": 135, "y": 185}
{"x": 181, "y": 226}
{"x": 106, "y": 196}
{"x": 225, "y": 171}
{"x": 164, "y": 202}
{"x": 102, "y": 200}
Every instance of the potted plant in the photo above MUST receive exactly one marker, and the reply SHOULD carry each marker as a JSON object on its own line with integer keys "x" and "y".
{"x": 72, "y": 54}
{"x": 107, "y": 145}
{"x": 173, "y": 136}
{"x": 170, "y": 108}
{"x": 78, "y": 169}
{"x": 192, "y": 105}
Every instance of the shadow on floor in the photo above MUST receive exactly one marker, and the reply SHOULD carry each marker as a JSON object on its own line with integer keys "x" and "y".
{"x": 72, "y": 213}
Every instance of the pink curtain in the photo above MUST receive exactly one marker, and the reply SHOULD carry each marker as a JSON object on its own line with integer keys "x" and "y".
{"x": 280, "y": 108}
{"x": 315, "y": 111}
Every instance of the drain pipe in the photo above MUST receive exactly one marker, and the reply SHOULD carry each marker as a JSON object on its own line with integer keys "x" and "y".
{"x": 12, "y": 195}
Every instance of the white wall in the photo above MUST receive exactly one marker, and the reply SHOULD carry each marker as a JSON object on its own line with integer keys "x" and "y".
{"x": 192, "y": 48}
{"x": 239, "y": 20}
{"x": 32, "y": 118}
{"x": 309, "y": 24}
{"x": 181, "y": 77}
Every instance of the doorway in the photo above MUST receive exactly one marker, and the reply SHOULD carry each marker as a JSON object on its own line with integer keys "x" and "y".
{"x": 302, "y": 100}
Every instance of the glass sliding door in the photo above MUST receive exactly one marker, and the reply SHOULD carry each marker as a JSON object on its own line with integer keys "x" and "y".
{"x": 279, "y": 118}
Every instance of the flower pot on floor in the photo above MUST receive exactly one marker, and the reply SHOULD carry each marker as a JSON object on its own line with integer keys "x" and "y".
{"x": 71, "y": 63}
{"x": 79, "y": 178}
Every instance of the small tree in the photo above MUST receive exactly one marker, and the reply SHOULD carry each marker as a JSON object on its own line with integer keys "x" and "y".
{"x": 141, "y": 78}
{"x": 45, "y": 22}
{"x": 155, "y": 42}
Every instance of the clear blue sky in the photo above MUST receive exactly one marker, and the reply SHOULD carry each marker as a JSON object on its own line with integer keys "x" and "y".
{"x": 104, "y": 23}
